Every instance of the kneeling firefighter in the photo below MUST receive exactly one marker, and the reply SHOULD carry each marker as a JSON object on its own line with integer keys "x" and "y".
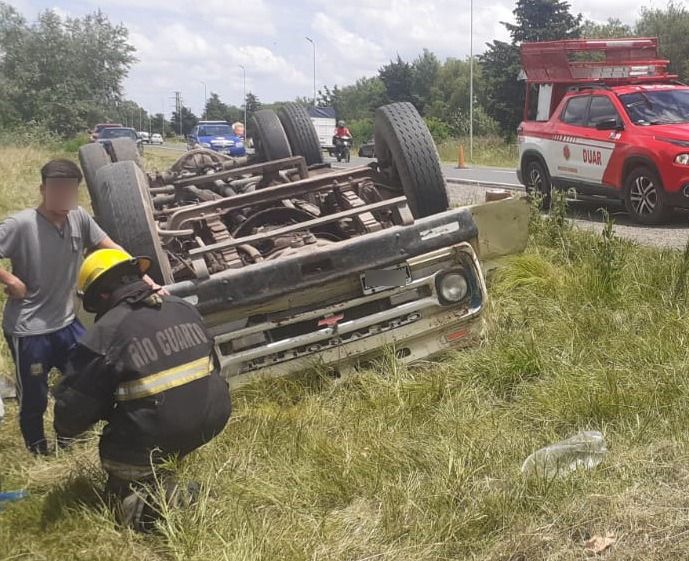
{"x": 146, "y": 368}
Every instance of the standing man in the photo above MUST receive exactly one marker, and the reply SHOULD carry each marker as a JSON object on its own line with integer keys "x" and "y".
{"x": 238, "y": 129}
{"x": 146, "y": 367}
{"x": 45, "y": 246}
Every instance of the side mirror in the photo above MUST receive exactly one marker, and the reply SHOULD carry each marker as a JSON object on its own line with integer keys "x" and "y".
{"x": 609, "y": 125}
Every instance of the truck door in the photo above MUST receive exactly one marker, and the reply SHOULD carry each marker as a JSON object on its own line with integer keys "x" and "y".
{"x": 599, "y": 144}
{"x": 566, "y": 148}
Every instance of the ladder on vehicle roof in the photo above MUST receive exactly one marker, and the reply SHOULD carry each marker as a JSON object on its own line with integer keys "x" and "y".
{"x": 600, "y": 61}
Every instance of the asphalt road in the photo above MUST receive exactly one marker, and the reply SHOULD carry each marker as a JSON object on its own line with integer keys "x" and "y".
{"x": 469, "y": 185}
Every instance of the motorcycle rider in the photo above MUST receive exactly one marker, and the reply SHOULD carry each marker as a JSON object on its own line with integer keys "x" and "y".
{"x": 342, "y": 131}
{"x": 340, "y": 137}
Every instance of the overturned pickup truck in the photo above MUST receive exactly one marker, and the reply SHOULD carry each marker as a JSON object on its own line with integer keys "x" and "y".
{"x": 294, "y": 263}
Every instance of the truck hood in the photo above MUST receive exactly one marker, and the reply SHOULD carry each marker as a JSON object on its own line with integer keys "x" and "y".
{"x": 678, "y": 133}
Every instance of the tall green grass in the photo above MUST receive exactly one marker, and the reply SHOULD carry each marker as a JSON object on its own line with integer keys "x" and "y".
{"x": 488, "y": 151}
{"x": 583, "y": 331}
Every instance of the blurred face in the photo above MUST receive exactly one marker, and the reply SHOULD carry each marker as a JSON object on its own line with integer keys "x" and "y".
{"x": 60, "y": 194}
{"x": 239, "y": 130}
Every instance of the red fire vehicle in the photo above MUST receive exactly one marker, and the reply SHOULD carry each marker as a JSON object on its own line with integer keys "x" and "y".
{"x": 605, "y": 118}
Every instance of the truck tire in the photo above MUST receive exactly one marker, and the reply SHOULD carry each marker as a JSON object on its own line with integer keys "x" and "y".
{"x": 93, "y": 157}
{"x": 644, "y": 196}
{"x": 301, "y": 133}
{"x": 408, "y": 157}
{"x": 269, "y": 136}
{"x": 537, "y": 181}
{"x": 127, "y": 215}
{"x": 125, "y": 150}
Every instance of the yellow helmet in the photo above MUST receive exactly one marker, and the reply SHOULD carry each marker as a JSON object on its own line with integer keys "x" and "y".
{"x": 97, "y": 264}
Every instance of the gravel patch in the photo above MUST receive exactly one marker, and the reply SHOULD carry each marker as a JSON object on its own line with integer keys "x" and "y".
{"x": 587, "y": 215}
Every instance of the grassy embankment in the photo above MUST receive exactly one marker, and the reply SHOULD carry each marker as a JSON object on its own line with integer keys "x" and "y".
{"x": 488, "y": 151}
{"x": 583, "y": 332}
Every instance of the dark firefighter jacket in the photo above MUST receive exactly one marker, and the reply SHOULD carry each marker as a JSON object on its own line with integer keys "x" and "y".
{"x": 146, "y": 369}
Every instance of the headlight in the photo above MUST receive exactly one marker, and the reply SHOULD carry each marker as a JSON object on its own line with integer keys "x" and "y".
{"x": 452, "y": 287}
{"x": 205, "y": 144}
{"x": 682, "y": 159}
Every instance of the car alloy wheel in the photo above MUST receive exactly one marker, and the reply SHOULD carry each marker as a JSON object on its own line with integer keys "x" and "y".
{"x": 643, "y": 195}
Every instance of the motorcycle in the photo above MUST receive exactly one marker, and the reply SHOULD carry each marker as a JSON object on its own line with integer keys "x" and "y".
{"x": 343, "y": 148}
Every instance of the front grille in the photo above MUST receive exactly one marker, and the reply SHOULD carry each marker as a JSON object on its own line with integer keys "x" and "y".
{"x": 305, "y": 350}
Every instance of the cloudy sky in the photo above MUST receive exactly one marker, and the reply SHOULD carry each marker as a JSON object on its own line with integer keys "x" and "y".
{"x": 181, "y": 43}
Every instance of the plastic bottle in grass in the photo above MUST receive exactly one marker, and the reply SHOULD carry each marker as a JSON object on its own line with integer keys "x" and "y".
{"x": 12, "y": 496}
{"x": 584, "y": 450}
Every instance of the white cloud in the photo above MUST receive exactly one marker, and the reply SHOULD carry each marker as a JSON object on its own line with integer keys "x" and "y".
{"x": 624, "y": 10}
{"x": 250, "y": 19}
{"x": 175, "y": 57}
{"x": 343, "y": 55}
{"x": 264, "y": 62}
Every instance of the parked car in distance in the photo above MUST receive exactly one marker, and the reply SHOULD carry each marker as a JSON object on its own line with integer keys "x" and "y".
{"x": 144, "y": 136}
{"x": 217, "y": 136}
{"x": 95, "y": 133}
{"x": 367, "y": 150}
{"x": 156, "y": 138}
{"x": 110, "y": 133}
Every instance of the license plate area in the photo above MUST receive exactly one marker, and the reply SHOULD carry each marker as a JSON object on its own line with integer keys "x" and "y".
{"x": 378, "y": 280}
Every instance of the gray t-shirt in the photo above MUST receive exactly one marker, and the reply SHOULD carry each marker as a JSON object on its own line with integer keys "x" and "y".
{"x": 47, "y": 260}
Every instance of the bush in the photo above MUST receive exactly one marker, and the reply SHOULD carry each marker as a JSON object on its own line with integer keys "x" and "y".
{"x": 29, "y": 134}
{"x": 72, "y": 145}
{"x": 440, "y": 131}
{"x": 361, "y": 129}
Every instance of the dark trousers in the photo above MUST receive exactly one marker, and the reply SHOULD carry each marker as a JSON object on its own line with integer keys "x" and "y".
{"x": 34, "y": 356}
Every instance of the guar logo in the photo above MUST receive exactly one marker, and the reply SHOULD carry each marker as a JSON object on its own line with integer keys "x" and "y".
{"x": 566, "y": 153}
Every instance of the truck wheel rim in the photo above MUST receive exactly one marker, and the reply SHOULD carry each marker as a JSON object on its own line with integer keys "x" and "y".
{"x": 643, "y": 196}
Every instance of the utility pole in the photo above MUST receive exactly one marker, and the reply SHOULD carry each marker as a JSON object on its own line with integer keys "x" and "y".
{"x": 162, "y": 125}
{"x": 141, "y": 111}
{"x": 205, "y": 98}
{"x": 178, "y": 105}
{"x": 313, "y": 44}
{"x": 245, "y": 123}
{"x": 471, "y": 81}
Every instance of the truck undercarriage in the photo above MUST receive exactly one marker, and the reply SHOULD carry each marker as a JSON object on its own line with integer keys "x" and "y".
{"x": 293, "y": 263}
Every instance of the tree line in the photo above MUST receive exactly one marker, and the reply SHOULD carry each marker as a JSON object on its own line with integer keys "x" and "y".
{"x": 66, "y": 74}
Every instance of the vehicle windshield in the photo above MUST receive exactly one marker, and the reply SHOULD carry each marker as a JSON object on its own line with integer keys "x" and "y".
{"x": 215, "y": 130}
{"x": 657, "y": 107}
{"x": 118, "y": 133}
